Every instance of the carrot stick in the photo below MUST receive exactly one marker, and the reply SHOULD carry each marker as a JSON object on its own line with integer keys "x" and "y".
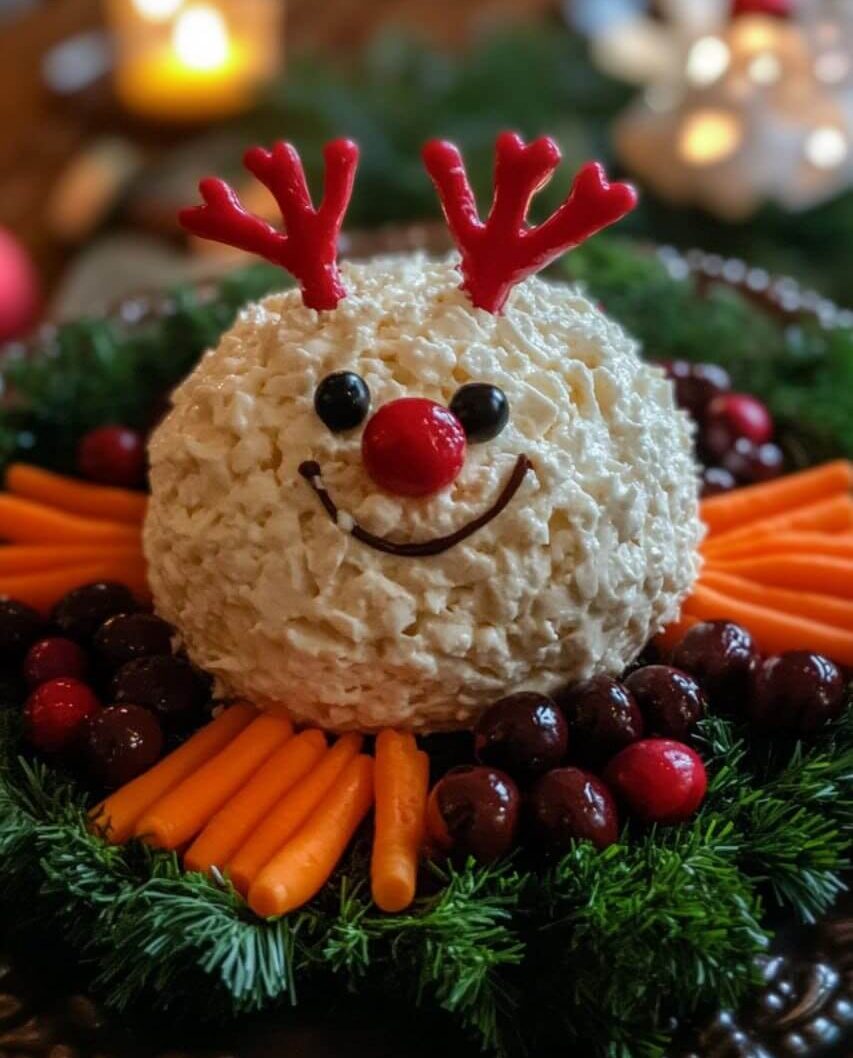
{"x": 671, "y": 636}
{"x": 401, "y": 781}
{"x": 43, "y": 588}
{"x": 834, "y": 515}
{"x": 738, "y": 508}
{"x": 794, "y": 542}
{"x": 289, "y": 815}
{"x": 233, "y": 823}
{"x": 76, "y": 497}
{"x": 182, "y": 812}
{"x": 18, "y": 559}
{"x": 772, "y": 630}
{"x": 827, "y": 609}
{"x": 25, "y": 522}
{"x": 824, "y": 574}
{"x": 118, "y": 815}
{"x": 301, "y": 869}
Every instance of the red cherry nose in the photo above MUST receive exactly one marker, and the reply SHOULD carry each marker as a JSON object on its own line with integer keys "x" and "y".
{"x": 413, "y": 447}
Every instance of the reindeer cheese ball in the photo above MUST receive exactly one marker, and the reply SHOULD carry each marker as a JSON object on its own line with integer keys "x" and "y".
{"x": 389, "y": 499}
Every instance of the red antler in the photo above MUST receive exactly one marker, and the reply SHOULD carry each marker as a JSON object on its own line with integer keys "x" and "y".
{"x": 308, "y": 249}
{"x": 499, "y": 253}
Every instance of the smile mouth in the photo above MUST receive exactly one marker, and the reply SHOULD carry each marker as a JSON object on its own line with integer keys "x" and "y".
{"x": 310, "y": 470}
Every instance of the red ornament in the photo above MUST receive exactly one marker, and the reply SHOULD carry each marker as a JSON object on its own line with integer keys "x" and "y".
{"x": 413, "y": 447}
{"x": 19, "y": 288}
{"x": 661, "y": 781}
{"x": 772, "y": 8}
{"x": 502, "y": 250}
{"x": 51, "y": 658}
{"x": 309, "y": 247}
{"x": 55, "y": 712}
{"x": 112, "y": 455}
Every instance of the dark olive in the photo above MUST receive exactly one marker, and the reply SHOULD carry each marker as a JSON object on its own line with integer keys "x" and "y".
{"x": 474, "y": 811}
{"x": 120, "y": 743}
{"x": 796, "y": 692}
{"x": 482, "y": 409}
{"x": 569, "y": 805}
{"x": 342, "y": 400}
{"x": 82, "y": 611}
{"x": 136, "y": 635}
{"x": 671, "y": 701}
{"x": 602, "y": 717}
{"x": 718, "y": 655}
{"x": 169, "y": 686}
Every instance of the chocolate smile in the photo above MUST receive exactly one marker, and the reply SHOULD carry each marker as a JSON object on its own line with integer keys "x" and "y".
{"x": 310, "y": 470}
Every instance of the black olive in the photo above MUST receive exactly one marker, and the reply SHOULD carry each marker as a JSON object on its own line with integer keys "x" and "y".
{"x": 482, "y": 409}
{"x": 342, "y": 400}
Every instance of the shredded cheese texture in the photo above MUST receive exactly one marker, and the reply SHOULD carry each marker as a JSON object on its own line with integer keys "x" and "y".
{"x": 592, "y": 557}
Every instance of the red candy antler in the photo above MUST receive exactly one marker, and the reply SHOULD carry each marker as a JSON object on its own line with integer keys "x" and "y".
{"x": 308, "y": 249}
{"x": 499, "y": 253}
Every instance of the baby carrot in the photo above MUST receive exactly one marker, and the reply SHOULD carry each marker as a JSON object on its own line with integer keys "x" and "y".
{"x": 772, "y": 630}
{"x": 737, "y": 508}
{"x": 43, "y": 588}
{"x": 304, "y": 864}
{"x": 182, "y": 812}
{"x": 289, "y": 815}
{"x": 25, "y": 522}
{"x": 76, "y": 497}
{"x": 834, "y": 515}
{"x": 827, "y": 609}
{"x": 19, "y": 559}
{"x": 825, "y": 574}
{"x": 118, "y": 815}
{"x": 233, "y": 823}
{"x": 794, "y": 542}
{"x": 401, "y": 781}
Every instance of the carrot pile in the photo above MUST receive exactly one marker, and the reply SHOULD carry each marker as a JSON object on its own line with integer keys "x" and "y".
{"x": 778, "y": 559}
{"x": 60, "y": 533}
{"x": 274, "y": 811}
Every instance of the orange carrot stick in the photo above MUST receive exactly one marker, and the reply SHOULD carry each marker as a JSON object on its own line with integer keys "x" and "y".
{"x": 304, "y": 865}
{"x": 76, "y": 497}
{"x": 25, "y": 522}
{"x": 772, "y": 630}
{"x": 672, "y": 635}
{"x": 43, "y": 588}
{"x": 742, "y": 506}
{"x": 401, "y": 782}
{"x": 19, "y": 559}
{"x": 289, "y": 815}
{"x": 794, "y": 542}
{"x": 233, "y": 823}
{"x": 824, "y": 574}
{"x": 834, "y": 515}
{"x": 118, "y": 815}
{"x": 182, "y": 812}
{"x": 826, "y": 609}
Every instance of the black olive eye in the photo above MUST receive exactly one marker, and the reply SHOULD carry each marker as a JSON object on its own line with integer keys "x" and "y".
{"x": 482, "y": 409}
{"x": 342, "y": 400}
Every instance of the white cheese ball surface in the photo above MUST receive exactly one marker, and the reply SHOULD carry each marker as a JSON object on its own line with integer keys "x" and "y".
{"x": 592, "y": 556}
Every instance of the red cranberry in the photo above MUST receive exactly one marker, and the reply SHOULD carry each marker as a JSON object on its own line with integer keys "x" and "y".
{"x": 113, "y": 455}
{"x": 120, "y": 743}
{"x": 474, "y": 812}
{"x": 731, "y": 416}
{"x": 169, "y": 686}
{"x": 55, "y": 712}
{"x": 752, "y": 464}
{"x": 568, "y": 805}
{"x": 82, "y": 611}
{"x": 524, "y": 734}
{"x": 602, "y": 717}
{"x": 413, "y": 447}
{"x": 135, "y": 635}
{"x": 719, "y": 656}
{"x": 695, "y": 391}
{"x": 54, "y": 657}
{"x": 20, "y": 627}
{"x": 798, "y": 691}
{"x": 716, "y": 480}
{"x": 672, "y": 703}
{"x": 660, "y": 781}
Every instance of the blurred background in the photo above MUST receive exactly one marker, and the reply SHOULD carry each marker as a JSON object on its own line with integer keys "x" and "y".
{"x": 735, "y": 117}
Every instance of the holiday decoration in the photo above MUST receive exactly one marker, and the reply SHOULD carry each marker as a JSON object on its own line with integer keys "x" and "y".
{"x": 19, "y": 288}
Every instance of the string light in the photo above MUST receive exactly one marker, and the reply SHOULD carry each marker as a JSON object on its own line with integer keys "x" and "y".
{"x": 826, "y": 147}
{"x": 765, "y": 68}
{"x": 709, "y": 136}
{"x": 157, "y": 10}
{"x": 707, "y": 61}
{"x": 200, "y": 38}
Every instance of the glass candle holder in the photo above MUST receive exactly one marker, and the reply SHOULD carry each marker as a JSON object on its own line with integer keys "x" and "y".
{"x": 193, "y": 60}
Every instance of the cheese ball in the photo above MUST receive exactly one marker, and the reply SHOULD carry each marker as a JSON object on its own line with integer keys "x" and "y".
{"x": 290, "y": 610}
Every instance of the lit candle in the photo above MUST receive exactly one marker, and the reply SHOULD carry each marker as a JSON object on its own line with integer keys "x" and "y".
{"x": 193, "y": 60}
